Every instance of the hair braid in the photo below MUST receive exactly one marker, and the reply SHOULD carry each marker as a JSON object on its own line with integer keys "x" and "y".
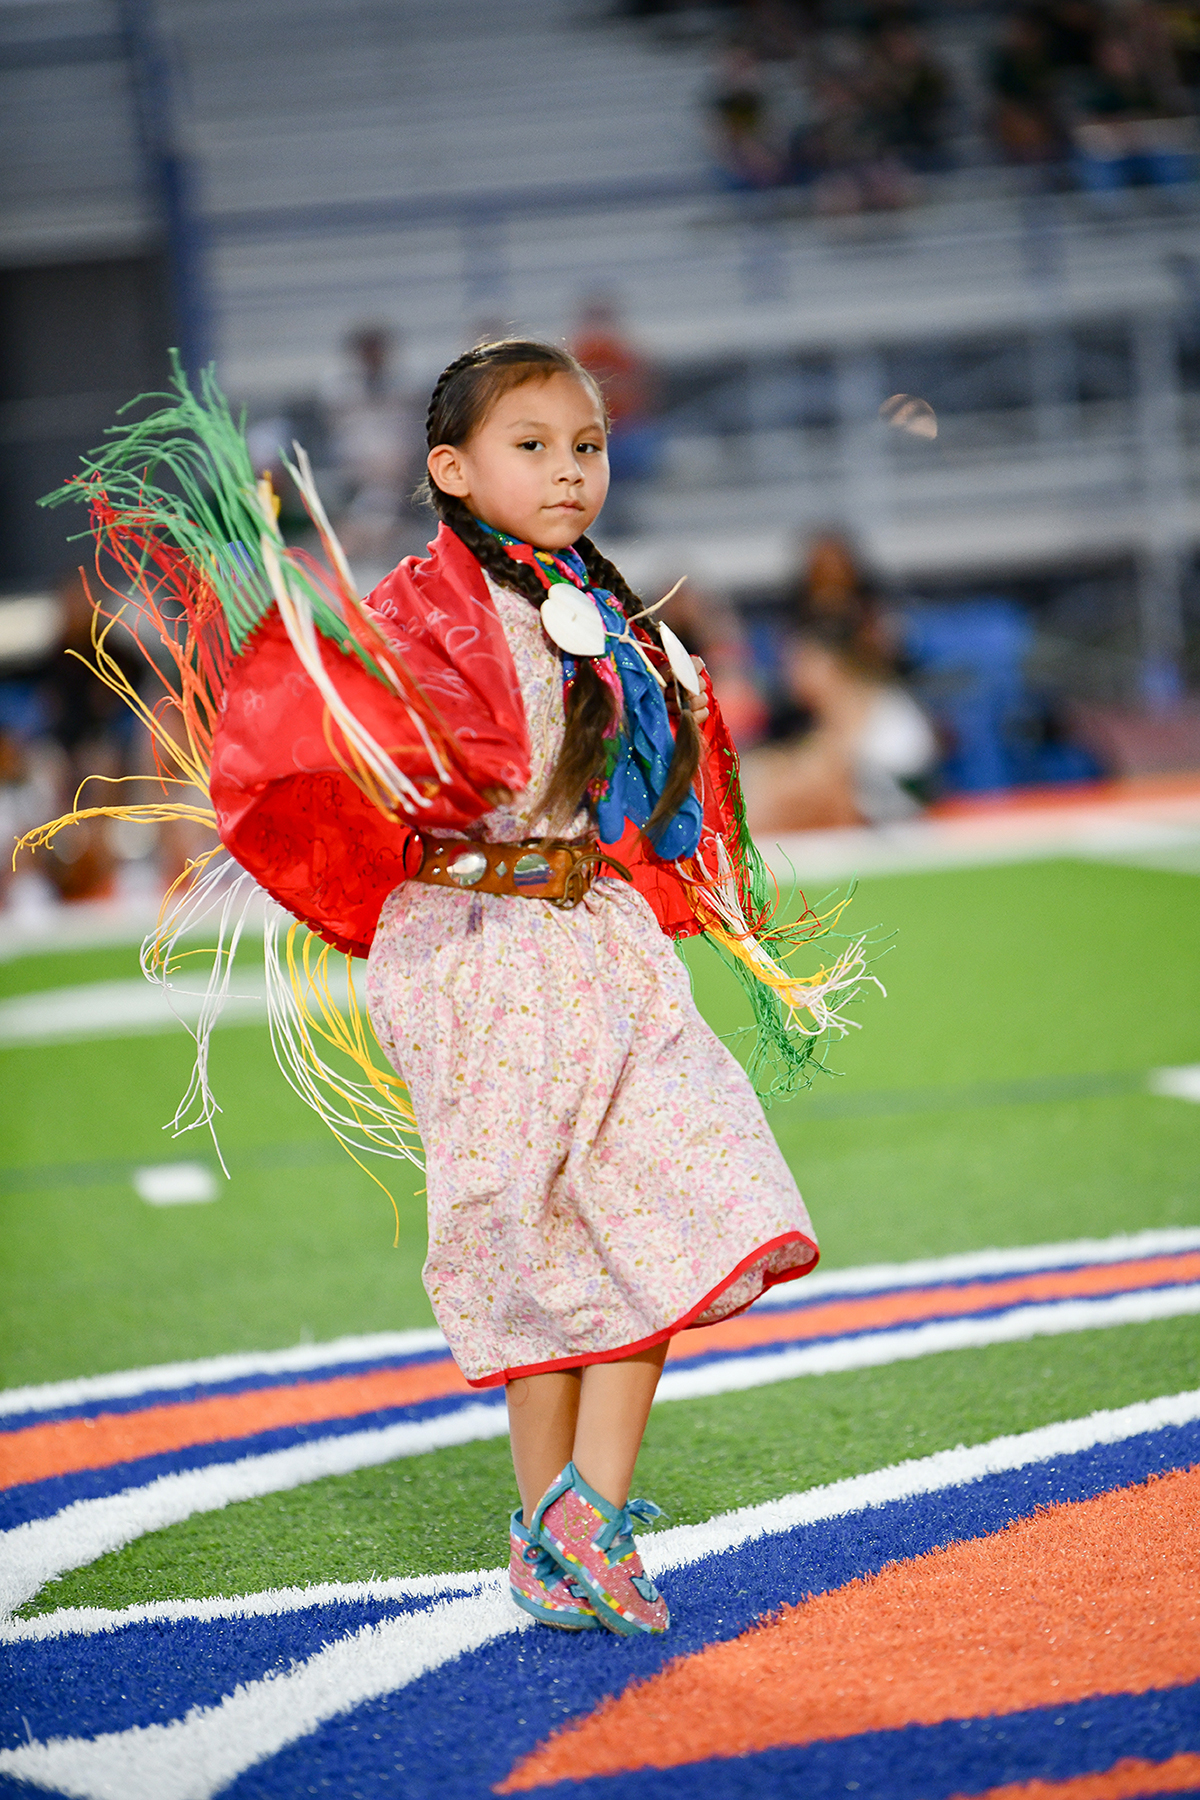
{"x": 467, "y": 360}
{"x": 686, "y": 758}
{"x": 503, "y": 568}
{"x": 602, "y": 573}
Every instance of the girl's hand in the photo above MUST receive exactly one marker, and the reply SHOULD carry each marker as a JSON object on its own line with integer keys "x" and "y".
{"x": 698, "y": 703}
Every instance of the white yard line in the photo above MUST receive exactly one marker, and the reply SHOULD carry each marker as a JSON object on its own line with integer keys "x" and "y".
{"x": 106, "y": 1009}
{"x": 378, "y": 1346}
{"x": 373, "y": 1347}
{"x": 876, "y": 1349}
{"x": 196, "y": 1756}
{"x": 1128, "y": 830}
{"x": 87, "y": 1621}
{"x": 872, "y": 1277}
{"x": 33, "y": 1553}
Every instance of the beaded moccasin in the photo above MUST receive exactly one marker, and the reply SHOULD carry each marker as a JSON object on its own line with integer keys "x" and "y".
{"x": 539, "y": 1586}
{"x": 592, "y": 1543}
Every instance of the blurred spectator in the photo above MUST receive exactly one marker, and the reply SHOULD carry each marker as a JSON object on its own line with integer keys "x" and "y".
{"x": 27, "y": 796}
{"x": 1069, "y": 30}
{"x": 90, "y": 732}
{"x": 835, "y": 594}
{"x": 854, "y": 167}
{"x": 854, "y": 109}
{"x": 855, "y": 102}
{"x": 378, "y": 435}
{"x": 1132, "y": 124}
{"x": 970, "y": 667}
{"x": 713, "y": 631}
{"x": 908, "y": 94}
{"x": 868, "y": 745}
{"x": 746, "y": 152}
{"x": 630, "y": 387}
{"x": 1026, "y": 114}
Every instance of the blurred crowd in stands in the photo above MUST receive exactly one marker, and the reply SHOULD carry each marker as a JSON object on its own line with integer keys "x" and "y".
{"x": 858, "y": 102}
{"x": 848, "y": 707}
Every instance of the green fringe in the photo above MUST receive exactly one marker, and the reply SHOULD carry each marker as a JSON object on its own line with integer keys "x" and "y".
{"x": 780, "y": 1063}
{"x": 184, "y": 474}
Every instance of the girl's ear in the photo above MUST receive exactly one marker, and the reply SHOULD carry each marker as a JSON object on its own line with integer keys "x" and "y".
{"x": 446, "y": 470}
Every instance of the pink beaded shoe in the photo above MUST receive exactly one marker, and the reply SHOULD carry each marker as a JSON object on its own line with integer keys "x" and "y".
{"x": 538, "y": 1585}
{"x": 592, "y": 1542}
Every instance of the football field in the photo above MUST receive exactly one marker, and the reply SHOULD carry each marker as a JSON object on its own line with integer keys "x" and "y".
{"x": 932, "y": 1514}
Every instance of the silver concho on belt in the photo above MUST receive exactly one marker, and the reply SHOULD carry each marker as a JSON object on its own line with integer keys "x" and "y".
{"x": 531, "y": 870}
{"x": 468, "y": 868}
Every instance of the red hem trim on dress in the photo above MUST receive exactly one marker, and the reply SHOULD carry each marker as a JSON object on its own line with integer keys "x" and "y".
{"x": 684, "y": 1323}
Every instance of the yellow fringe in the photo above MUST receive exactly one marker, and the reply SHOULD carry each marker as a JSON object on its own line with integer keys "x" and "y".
{"x": 152, "y": 812}
{"x": 350, "y": 1034}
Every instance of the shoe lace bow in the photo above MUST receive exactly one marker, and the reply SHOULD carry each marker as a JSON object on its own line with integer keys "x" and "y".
{"x": 543, "y": 1565}
{"x": 620, "y": 1526}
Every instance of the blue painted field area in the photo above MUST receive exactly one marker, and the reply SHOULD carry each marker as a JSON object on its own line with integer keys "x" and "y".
{"x": 251, "y": 1530}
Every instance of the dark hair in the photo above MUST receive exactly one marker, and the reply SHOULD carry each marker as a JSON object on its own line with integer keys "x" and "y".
{"x": 464, "y": 395}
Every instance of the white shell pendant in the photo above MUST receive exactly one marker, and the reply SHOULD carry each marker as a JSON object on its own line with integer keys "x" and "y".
{"x": 682, "y": 666}
{"x": 572, "y": 620}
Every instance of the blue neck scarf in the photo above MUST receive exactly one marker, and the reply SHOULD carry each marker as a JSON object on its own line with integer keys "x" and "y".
{"x": 641, "y": 751}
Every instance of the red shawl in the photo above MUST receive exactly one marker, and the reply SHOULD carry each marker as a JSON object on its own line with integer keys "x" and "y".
{"x": 293, "y": 817}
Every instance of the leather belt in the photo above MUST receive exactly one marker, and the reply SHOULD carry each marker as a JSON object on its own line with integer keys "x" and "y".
{"x": 552, "y": 869}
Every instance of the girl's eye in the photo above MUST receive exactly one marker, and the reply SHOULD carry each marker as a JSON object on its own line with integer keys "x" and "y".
{"x": 530, "y": 444}
{"x": 594, "y": 449}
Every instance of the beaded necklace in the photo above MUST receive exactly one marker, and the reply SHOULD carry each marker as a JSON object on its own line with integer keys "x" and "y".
{"x": 640, "y": 743}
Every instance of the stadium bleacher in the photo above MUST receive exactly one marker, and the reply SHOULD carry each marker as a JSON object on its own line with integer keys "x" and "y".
{"x": 471, "y": 165}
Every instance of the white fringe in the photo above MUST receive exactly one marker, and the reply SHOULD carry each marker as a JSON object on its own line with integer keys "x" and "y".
{"x": 228, "y": 893}
{"x": 225, "y": 895}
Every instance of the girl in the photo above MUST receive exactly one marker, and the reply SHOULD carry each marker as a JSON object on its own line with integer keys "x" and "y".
{"x": 490, "y": 779}
{"x": 600, "y": 1172}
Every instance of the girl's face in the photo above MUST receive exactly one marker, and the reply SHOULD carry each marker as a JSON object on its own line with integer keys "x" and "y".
{"x": 537, "y": 467}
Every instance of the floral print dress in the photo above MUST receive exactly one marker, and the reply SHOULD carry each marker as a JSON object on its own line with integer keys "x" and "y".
{"x": 600, "y": 1172}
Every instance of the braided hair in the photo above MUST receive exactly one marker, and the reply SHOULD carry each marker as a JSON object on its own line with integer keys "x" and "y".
{"x": 462, "y": 398}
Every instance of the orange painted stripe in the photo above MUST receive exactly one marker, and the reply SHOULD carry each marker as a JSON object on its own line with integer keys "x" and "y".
{"x": 40, "y": 1451}
{"x": 1067, "y": 799}
{"x": 834, "y": 1318}
{"x": 1098, "y": 1597}
{"x": 1130, "y": 1779}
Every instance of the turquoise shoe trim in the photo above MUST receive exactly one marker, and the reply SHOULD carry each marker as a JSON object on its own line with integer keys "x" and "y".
{"x": 547, "y": 1573}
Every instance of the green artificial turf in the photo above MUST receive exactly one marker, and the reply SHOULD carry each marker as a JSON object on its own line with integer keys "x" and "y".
{"x": 297, "y": 1246}
{"x": 999, "y": 979}
{"x": 997, "y": 974}
{"x": 447, "y": 1510}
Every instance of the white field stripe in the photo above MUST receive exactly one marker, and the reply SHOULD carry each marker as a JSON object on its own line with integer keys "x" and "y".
{"x": 31, "y": 1554}
{"x": 683, "y": 1545}
{"x": 106, "y": 1009}
{"x": 876, "y": 1349}
{"x": 1176, "y": 1084}
{"x": 302, "y": 1358}
{"x": 202, "y": 1754}
{"x": 196, "y": 1756}
{"x": 86, "y": 1621}
{"x": 133, "y": 1008}
{"x": 163, "y": 1377}
{"x": 871, "y": 1277}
